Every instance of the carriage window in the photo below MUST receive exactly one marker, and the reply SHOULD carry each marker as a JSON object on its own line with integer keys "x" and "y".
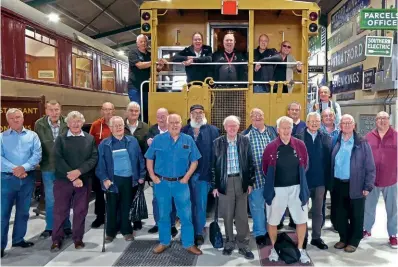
{"x": 40, "y": 56}
{"x": 82, "y": 65}
{"x": 125, "y": 77}
{"x": 107, "y": 74}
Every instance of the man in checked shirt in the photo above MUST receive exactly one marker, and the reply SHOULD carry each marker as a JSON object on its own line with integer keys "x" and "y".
{"x": 260, "y": 135}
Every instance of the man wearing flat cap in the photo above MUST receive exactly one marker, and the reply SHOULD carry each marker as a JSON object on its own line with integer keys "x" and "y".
{"x": 199, "y": 184}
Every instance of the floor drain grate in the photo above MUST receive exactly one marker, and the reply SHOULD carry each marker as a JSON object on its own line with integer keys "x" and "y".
{"x": 139, "y": 253}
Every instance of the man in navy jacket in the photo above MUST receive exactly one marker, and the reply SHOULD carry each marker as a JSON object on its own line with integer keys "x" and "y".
{"x": 204, "y": 135}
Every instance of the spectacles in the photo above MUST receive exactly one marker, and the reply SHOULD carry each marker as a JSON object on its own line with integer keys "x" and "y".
{"x": 295, "y": 110}
{"x": 328, "y": 116}
{"x": 346, "y": 123}
{"x": 314, "y": 122}
{"x": 107, "y": 109}
{"x": 287, "y": 46}
{"x": 383, "y": 119}
{"x": 174, "y": 122}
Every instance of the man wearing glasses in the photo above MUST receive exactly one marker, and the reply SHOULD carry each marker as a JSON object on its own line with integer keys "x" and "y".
{"x": 100, "y": 130}
{"x": 329, "y": 125}
{"x": 204, "y": 135}
{"x": 354, "y": 173}
{"x": 284, "y": 72}
{"x": 383, "y": 141}
{"x": 318, "y": 146}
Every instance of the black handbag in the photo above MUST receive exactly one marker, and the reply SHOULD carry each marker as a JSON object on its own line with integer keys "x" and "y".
{"x": 287, "y": 250}
{"x": 215, "y": 232}
{"x": 139, "y": 210}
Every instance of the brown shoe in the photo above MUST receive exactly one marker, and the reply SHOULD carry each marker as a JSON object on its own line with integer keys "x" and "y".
{"x": 129, "y": 237}
{"x": 160, "y": 248}
{"x": 194, "y": 250}
{"x": 109, "y": 239}
{"x": 339, "y": 245}
{"x": 350, "y": 249}
{"x": 55, "y": 247}
{"x": 79, "y": 245}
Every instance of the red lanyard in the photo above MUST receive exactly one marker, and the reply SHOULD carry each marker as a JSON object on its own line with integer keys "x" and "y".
{"x": 229, "y": 59}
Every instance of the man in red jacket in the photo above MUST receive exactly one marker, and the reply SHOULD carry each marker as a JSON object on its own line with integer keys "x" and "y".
{"x": 100, "y": 130}
{"x": 383, "y": 141}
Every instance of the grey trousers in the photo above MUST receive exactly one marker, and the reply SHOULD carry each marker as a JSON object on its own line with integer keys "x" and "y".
{"x": 390, "y": 200}
{"x": 317, "y": 195}
{"x": 233, "y": 205}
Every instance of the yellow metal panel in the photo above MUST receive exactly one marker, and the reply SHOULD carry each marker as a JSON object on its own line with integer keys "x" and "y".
{"x": 242, "y": 4}
{"x": 175, "y": 102}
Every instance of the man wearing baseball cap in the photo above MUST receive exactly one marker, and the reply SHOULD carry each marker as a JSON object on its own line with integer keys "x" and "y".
{"x": 199, "y": 184}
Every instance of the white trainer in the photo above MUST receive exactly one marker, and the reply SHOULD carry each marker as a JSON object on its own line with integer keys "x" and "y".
{"x": 273, "y": 256}
{"x": 304, "y": 256}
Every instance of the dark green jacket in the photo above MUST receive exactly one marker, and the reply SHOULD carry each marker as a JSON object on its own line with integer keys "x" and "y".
{"x": 43, "y": 130}
{"x": 140, "y": 133}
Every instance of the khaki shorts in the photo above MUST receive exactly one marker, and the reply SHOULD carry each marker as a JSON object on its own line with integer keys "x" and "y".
{"x": 287, "y": 197}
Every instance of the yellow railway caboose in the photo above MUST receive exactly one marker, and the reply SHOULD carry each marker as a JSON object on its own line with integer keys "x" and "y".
{"x": 170, "y": 25}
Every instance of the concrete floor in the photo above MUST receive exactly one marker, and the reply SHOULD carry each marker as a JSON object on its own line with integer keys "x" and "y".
{"x": 374, "y": 251}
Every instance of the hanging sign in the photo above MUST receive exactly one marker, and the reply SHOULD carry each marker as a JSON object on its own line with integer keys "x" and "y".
{"x": 348, "y": 80}
{"x": 351, "y": 54}
{"x": 379, "y": 19}
{"x": 346, "y": 12}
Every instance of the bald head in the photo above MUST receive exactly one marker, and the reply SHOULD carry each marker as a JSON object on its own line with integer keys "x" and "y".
{"x": 161, "y": 118}
{"x": 382, "y": 121}
{"x": 107, "y": 111}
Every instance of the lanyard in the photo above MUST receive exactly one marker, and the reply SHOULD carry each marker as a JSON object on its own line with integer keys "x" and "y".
{"x": 229, "y": 59}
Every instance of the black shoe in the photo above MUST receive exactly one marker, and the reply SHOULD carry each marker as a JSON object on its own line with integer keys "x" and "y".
{"x": 319, "y": 243}
{"x": 199, "y": 240}
{"x": 23, "y": 244}
{"x": 68, "y": 232}
{"x": 46, "y": 234}
{"x": 97, "y": 222}
{"x": 280, "y": 226}
{"x": 174, "y": 231}
{"x": 153, "y": 230}
{"x": 55, "y": 247}
{"x": 137, "y": 226}
{"x": 2, "y": 253}
{"x": 227, "y": 251}
{"x": 246, "y": 253}
{"x": 260, "y": 240}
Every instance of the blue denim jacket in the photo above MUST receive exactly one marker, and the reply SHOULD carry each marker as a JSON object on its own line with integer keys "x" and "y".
{"x": 105, "y": 165}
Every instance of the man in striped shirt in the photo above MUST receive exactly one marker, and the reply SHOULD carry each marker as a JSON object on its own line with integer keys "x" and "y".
{"x": 260, "y": 135}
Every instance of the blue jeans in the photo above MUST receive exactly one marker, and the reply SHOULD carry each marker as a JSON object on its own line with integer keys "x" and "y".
{"x": 173, "y": 213}
{"x": 48, "y": 181}
{"x": 165, "y": 191}
{"x": 199, "y": 190}
{"x": 135, "y": 95}
{"x": 19, "y": 191}
{"x": 257, "y": 209}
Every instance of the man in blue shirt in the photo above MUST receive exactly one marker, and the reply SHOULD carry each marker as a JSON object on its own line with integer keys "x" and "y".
{"x": 176, "y": 160}
{"x": 204, "y": 135}
{"x": 20, "y": 153}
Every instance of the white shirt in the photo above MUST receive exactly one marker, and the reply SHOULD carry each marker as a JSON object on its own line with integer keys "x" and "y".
{"x": 198, "y": 53}
{"x": 132, "y": 127}
{"x": 71, "y": 134}
{"x": 161, "y": 131}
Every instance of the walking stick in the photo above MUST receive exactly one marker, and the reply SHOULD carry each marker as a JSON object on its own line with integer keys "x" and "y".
{"x": 105, "y": 222}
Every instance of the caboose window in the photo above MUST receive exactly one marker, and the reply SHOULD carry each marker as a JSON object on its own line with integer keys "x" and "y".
{"x": 82, "y": 67}
{"x": 108, "y": 74}
{"x": 40, "y": 56}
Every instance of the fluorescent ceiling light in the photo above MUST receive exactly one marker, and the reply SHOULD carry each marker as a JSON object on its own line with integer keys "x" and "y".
{"x": 53, "y": 17}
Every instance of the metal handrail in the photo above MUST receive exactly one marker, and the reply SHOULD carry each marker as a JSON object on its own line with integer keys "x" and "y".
{"x": 234, "y": 63}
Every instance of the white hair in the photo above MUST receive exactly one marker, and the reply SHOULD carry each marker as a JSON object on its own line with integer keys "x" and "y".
{"x": 142, "y": 36}
{"x": 114, "y": 118}
{"x": 162, "y": 110}
{"x": 12, "y": 111}
{"x": 231, "y": 118}
{"x": 173, "y": 114}
{"x": 133, "y": 104}
{"x": 325, "y": 88}
{"x": 382, "y": 114}
{"x": 313, "y": 114}
{"x": 294, "y": 103}
{"x": 328, "y": 110}
{"x": 284, "y": 119}
{"x": 75, "y": 115}
{"x": 347, "y": 116}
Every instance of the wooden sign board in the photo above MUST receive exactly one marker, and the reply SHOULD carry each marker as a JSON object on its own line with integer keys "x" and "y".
{"x": 32, "y": 108}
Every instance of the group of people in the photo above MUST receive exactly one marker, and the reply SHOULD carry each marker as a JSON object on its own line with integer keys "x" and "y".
{"x": 266, "y": 169}
{"x": 195, "y": 56}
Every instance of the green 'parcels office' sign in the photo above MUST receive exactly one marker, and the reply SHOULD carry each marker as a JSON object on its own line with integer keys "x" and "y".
{"x": 378, "y": 19}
